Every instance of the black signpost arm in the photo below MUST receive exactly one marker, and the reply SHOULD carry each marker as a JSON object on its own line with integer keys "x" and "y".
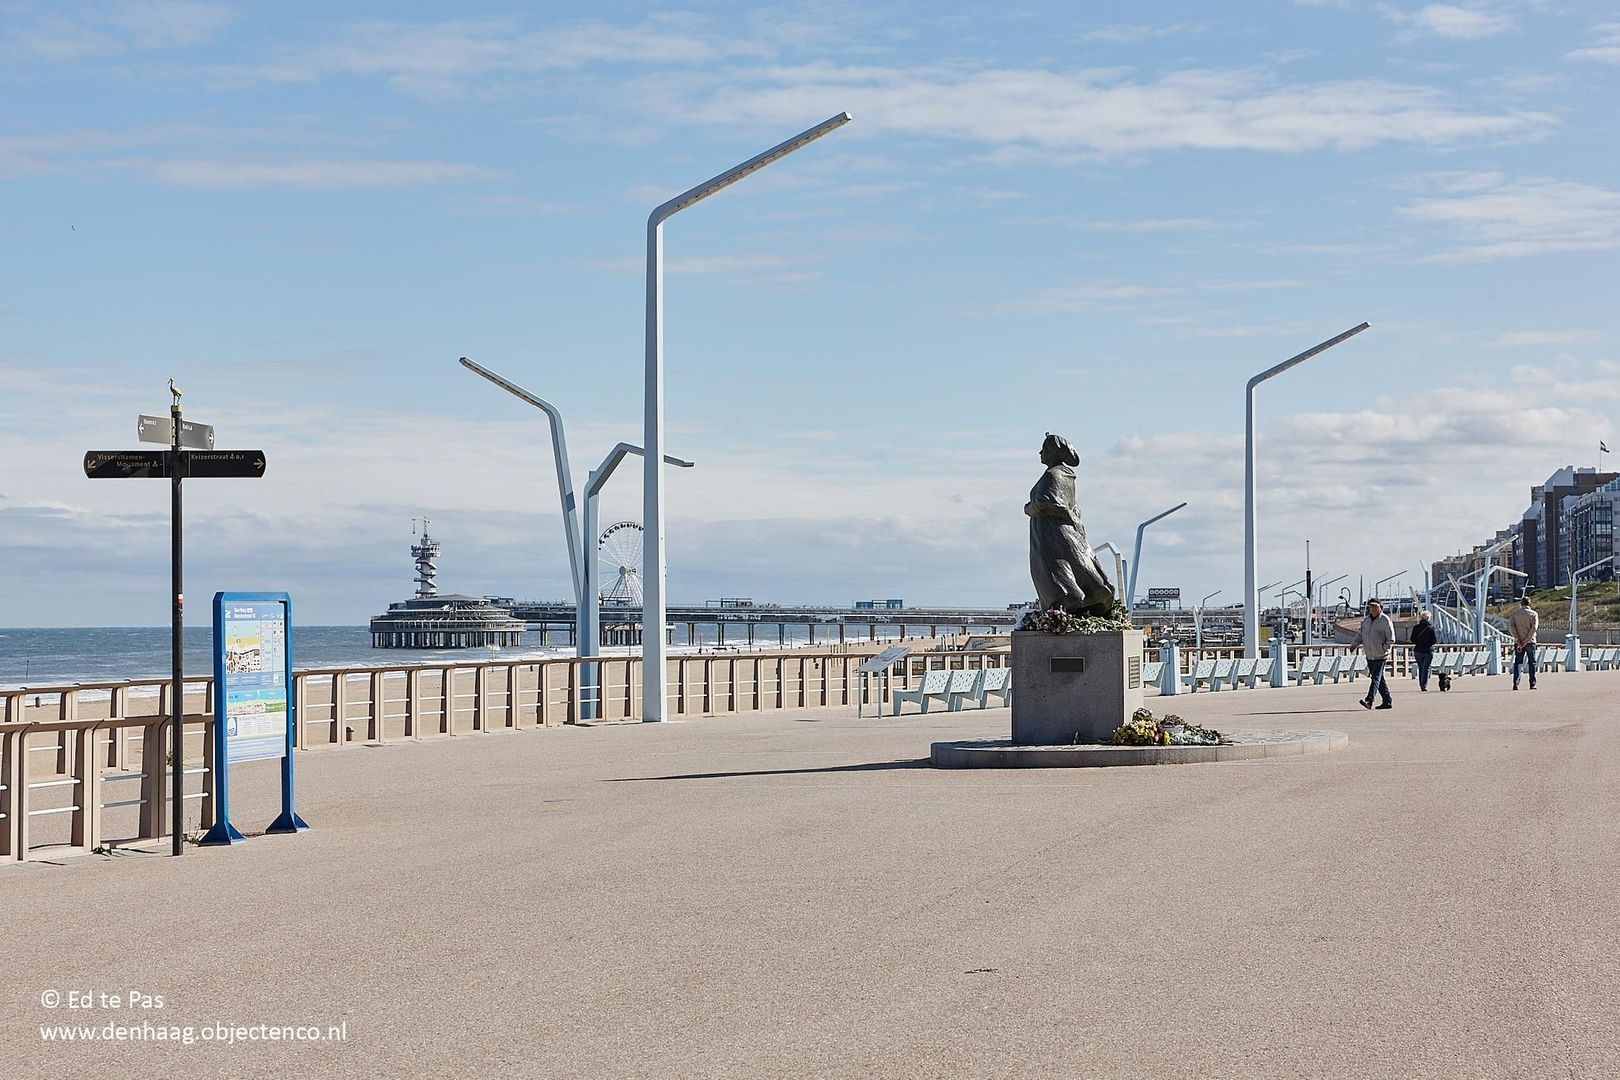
{"x": 177, "y": 696}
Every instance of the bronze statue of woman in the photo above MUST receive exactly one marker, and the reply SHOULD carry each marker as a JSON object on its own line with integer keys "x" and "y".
{"x": 1066, "y": 572}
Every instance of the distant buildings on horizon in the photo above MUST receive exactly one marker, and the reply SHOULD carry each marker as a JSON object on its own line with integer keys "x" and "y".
{"x": 1569, "y": 525}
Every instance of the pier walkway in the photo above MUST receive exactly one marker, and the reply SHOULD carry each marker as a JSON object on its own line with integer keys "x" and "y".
{"x": 796, "y": 894}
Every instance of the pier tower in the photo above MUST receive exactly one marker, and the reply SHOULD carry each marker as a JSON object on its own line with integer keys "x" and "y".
{"x": 430, "y": 621}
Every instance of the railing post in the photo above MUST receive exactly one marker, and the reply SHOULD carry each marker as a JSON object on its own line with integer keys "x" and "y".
{"x": 19, "y": 798}
{"x": 300, "y": 699}
{"x": 154, "y": 778}
{"x": 480, "y": 692}
{"x": 512, "y": 697}
{"x": 86, "y": 820}
{"x": 632, "y": 686}
{"x": 447, "y": 709}
{"x": 413, "y": 701}
{"x": 11, "y": 778}
{"x": 340, "y": 708}
{"x": 117, "y": 709}
{"x": 67, "y": 710}
{"x": 375, "y": 724}
{"x": 211, "y": 773}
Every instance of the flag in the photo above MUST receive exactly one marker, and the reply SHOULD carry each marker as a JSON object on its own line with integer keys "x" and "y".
{"x": 1603, "y": 446}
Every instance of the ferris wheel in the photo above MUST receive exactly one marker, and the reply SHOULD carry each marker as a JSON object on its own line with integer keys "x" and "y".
{"x": 619, "y": 551}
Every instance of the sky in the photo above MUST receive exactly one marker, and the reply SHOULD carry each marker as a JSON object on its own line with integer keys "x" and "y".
{"x": 1096, "y": 220}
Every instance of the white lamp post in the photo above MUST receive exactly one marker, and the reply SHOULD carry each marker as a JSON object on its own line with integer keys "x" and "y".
{"x": 1251, "y": 602}
{"x": 1380, "y": 582}
{"x": 1572, "y": 642}
{"x": 589, "y": 620}
{"x": 1320, "y": 589}
{"x": 582, "y": 550}
{"x": 1136, "y": 555}
{"x": 1119, "y": 564}
{"x": 559, "y": 453}
{"x": 1198, "y": 620}
{"x": 654, "y": 647}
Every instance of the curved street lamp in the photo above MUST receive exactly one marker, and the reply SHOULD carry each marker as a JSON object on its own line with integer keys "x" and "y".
{"x": 1198, "y": 619}
{"x": 1136, "y": 555}
{"x": 1251, "y": 602}
{"x": 1310, "y": 623}
{"x": 654, "y": 648}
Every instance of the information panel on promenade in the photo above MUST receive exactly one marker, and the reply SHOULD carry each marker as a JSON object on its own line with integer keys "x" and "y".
{"x": 255, "y": 711}
{"x": 256, "y": 667}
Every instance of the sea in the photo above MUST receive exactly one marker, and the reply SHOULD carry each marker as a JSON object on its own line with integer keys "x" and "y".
{"x": 60, "y": 656}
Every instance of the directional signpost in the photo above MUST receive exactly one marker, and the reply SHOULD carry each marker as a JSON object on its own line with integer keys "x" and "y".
{"x": 190, "y": 453}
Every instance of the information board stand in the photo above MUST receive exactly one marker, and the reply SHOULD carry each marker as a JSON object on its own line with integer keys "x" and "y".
{"x": 254, "y": 711}
{"x": 880, "y": 665}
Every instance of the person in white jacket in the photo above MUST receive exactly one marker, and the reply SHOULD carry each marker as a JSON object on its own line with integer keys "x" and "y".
{"x": 1376, "y": 637}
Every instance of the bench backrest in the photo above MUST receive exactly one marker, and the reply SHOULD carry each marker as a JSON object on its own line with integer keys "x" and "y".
{"x": 1245, "y": 668}
{"x": 1262, "y": 667}
{"x": 1309, "y": 664}
{"x": 996, "y": 678}
{"x": 963, "y": 682}
{"x": 1223, "y": 668}
{"x": 934, "y": 682}
{"x": 1204, "y": 670}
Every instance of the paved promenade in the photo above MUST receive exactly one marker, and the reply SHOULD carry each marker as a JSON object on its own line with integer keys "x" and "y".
{"x": 798, "y": 895}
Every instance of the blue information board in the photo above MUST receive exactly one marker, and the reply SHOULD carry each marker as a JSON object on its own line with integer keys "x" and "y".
{"x": 255, "y": 673}
{"x": 254, "y": 707}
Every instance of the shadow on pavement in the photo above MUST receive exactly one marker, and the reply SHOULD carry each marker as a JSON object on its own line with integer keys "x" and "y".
{"x": 872, "y": 766}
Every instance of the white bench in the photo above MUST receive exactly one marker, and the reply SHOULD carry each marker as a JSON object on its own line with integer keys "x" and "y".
{"x": 983, "y": 683}
{"x": 1308, "y": 666}
{"x": 933, "y": 688}
{"x": 1151, "y": 671}
{"x": 1243, "y": 673}
{"x": 1201, "y": 673}
{"x": 1262, "y": 672}
{"x": 1222, "y": 673}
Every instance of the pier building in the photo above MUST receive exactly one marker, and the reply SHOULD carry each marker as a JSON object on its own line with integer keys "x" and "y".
{"x": 430, "y": 621}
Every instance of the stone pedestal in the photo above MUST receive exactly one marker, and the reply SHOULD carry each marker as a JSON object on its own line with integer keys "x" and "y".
{"x": 1071, "y": 688}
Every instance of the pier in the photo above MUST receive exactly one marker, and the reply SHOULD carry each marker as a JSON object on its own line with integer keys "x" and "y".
{"x": 743, "y": 622}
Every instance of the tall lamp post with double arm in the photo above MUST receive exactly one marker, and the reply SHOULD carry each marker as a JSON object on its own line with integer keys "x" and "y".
{"x": 1251, "y": 601}
{"x": 654, "y": 646}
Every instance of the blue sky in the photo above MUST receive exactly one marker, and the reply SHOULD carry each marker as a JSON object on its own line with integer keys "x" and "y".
{"x": 1091, "y": 219}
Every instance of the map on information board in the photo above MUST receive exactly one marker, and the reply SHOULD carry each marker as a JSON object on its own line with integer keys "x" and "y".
{"x": 255, "y": 677}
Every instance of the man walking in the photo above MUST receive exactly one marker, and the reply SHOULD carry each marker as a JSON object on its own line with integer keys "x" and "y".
{"x": 1523, "y": 624}
{"x": 1423, "y": 640}
{"x": 1376, "y": 636}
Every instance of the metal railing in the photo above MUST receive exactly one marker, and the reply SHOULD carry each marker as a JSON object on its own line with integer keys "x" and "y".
{"x": 69, "y": 750}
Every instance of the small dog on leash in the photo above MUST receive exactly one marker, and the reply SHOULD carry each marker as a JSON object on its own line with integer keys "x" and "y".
{"x": 1445, "y": 681}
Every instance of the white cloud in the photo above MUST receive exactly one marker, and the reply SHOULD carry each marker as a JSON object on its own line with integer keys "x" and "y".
{"x": 72, "y": 32}
{"x": 1104, "y": 112}
{"x": 312, "y": 175}
{"x": 1545, "y": 338}
{"x": 470, "y": 55}
{"x": 1465, "y": 22}
{"x": 1604, "y": 46}
{"x": 1493, "y": 217}
{"x": 1131, "y": 33}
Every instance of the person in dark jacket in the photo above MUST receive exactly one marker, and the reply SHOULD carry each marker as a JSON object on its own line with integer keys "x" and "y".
{"x": 1423, "y": 640}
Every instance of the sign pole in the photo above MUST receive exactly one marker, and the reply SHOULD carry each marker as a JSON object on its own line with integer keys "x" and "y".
{"x": 190, "y": 452}
{"x": 177, "y": 636}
